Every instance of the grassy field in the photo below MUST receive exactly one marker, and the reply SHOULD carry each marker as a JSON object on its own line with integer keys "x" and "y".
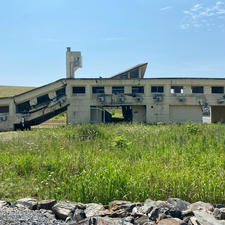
{"x": 98, "y": 163}
{"x": 6, "y": 91}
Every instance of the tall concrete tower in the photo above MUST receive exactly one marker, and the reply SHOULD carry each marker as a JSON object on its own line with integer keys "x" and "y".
{"x": 73, "y": 62}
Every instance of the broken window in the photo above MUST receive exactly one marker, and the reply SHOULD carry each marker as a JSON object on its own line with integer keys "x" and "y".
{"x": 197, "y": 89}
{"x": 134, "y": 73}
{"x": 217, "y": 90}
{"x": 23, "y": 107}
{"x": 157, "y": 89}
{"x": 4, "y": 109}
{"x": 116, "y": 90}
{"x": 78, "y": 90}
{"x": 44, "y": 99}
{"x": 61, "y": 92}
{"x": 98, "y": 90}
{"x": 177, "y": 90}
{"x": 137, "y": 89}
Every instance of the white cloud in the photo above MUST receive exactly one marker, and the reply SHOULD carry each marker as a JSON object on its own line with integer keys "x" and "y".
{"x": 166, "y": 8}
{"x": 200, "y": 15}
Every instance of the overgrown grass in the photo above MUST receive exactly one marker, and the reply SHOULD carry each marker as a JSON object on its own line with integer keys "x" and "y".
{"x": 6, "y": 91}
{"x": 98, "y": 163}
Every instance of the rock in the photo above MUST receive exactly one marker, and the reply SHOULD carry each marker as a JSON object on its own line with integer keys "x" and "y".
{"x": 65, "y": 209}
{"x": 219, "y": 206}
{"x": 46, "y": 204}
{"x": 129, "y": 219}
{"x": 201, "y": 206}
{"x": 187, "y": 213}
{"x": 78, "y": 215}
{"x": 48, "y": 213}
{"x": 121, "y": 213}
{"x": 219, "y": 214}
{"x": 204, "y": 218}
{"x": 126, "y": 205}
{"x": 93, "y": 209}
{"x": 102, "y": 221}
{"x": 28, "y": 203}
{"x": 141, "y": 220}
{"x": 157, "y": 208}
{"x": 171, "y": 221}
{"x": 4, "y": 204}
{"x": 178, "y": 204}
{"x": 193, "y": 221}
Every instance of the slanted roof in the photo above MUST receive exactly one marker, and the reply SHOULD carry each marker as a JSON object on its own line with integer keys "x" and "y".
{"x": 124, "y": 75}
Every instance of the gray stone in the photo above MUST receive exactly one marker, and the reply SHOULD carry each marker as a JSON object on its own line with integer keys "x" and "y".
{"x": 178, "y": 204}
{"x": 126, "y": 205}
{"x": 4, "y": 204}
{"x": 129, "y": 219}
{"x": 94, "y": 209}
{"x": 201, "y": 206}
{"x": 64, "y": 209}
{"x": 219, "y": 214}
{"x": 102, "y": 221}
{"x": 204, "y": 218}
{"x": 78, "y": 215}
{"x": 171, "y": 221}
{"x": 28, "y": 203}
{"x": 48, "y": 213}
{"x": 46, "y": 204}
{"x": 141, "y": 220}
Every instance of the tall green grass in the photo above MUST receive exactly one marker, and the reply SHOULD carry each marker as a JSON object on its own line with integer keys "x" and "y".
{"x": 99, "y": 163}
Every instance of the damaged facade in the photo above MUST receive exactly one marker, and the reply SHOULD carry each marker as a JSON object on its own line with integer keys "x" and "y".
{"x": 146, "y": 100}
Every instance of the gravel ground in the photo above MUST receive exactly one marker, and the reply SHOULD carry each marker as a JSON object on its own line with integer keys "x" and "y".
{"x": 14, "y": 216}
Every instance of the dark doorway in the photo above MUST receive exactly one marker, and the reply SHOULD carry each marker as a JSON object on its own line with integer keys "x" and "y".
{"x": 118, "y": 114}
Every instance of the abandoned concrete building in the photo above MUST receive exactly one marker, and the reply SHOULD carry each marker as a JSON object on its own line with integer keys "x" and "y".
{"x": 145, "y": 100}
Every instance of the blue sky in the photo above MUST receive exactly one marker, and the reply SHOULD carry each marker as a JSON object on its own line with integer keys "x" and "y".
{"x": 177, "y": 38}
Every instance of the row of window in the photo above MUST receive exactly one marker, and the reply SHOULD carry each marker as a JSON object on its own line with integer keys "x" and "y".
{"x": 154, "y": 89}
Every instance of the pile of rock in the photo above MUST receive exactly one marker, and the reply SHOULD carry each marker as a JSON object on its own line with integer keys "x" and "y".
{"x": 174, "y": 211}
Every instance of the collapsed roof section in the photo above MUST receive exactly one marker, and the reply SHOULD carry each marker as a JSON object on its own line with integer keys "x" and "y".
{"x": 135, "y": 72}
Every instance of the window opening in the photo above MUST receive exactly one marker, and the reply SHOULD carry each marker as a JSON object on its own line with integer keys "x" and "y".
{"x": 23, "y": 107}
{"x": 4, "y": 109}
{"x": 157, "y": 89}
{"x": 176, "y": 90}
{"x": 98, "y": 90}
{"x": 197, "y": 89}
{"x": 134, "y": 73}
{"x": 137, "y": 89}
{"x": 217, "y": 90}
{"x": 116, "y": 89}
{"x": 61, "y": 92}
{"x": 43, "y": 99}
{"x": 78, "y": 90}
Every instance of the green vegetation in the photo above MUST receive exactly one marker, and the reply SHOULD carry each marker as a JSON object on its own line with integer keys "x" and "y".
{"x": 61, "y": 118}
{"x": 98, "y": 163}
{"x": 6, "y": 91}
